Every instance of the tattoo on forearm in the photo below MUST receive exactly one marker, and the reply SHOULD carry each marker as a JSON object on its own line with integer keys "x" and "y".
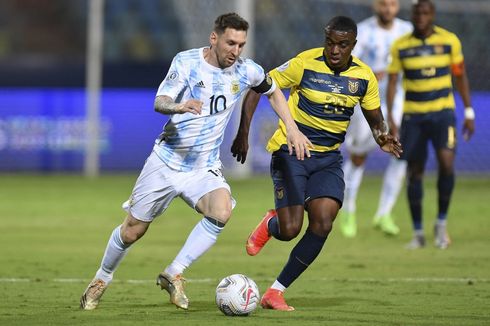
{"x": 380, "y": 129}
{"x": 165, "y": 105}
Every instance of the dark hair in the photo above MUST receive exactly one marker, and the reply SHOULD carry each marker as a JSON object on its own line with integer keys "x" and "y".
{"x": 419, "y": 2}
{"x": 230, "y": 20}
{"x": 342, "y": 24}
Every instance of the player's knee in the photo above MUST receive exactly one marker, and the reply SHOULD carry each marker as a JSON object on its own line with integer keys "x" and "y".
{"x": 130, "y": 235}
{"x": 132, "y": 230}
{"x": 358, "y": 160}
{"x": 414, "y": 175}
{"x": 221, "y": 214}
{"x": 446, "y": 169}
{"x": 321, "y": 228}
{"x": 289, "y": 231}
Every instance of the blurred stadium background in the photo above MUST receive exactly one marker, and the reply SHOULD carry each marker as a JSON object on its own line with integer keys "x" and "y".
{"x": 43, "y": 51}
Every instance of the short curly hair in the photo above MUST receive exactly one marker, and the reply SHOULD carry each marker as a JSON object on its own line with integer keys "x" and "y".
{"x": 230, "y": 20}
{"x": 342, "y": 24}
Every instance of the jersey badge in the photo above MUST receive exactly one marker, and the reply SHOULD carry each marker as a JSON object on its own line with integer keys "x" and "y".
{"x": 279, "y": 193}
{"x": 235, "y": 87}
{"x": 353, "y": 86}
{"x": 438, "y": 49}
{"x": 172, "y": 76}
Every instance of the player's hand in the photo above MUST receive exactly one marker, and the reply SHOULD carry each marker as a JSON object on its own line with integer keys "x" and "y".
{"x": 392, "y": 127}
{"x": 239, "y": 148}
{"x": 299, "y": 142}
{"x": 390, "y": 144}
{"x": 468, "y": 128}
{"x": 192, "y": 106}
{"x": 380, "y": 75}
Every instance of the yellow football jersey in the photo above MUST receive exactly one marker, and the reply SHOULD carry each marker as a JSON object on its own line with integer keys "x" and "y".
{"x": 322, "y": 101}
{"x": 426, "y": 65}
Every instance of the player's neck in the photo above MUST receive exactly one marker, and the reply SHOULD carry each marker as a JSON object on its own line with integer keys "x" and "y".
{"x": 385, "y": 24}
{"x": 423, "y": 34}
{"x": 210, "y": 57}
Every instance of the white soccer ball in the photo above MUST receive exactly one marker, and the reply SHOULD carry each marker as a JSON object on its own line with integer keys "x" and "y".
{"x": 237, "y": 295}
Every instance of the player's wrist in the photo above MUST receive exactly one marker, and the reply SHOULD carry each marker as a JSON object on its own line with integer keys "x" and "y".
{"x": 469, "y": 113}
{"x": 380, "y": 133}
{"x": 290, "y": 127}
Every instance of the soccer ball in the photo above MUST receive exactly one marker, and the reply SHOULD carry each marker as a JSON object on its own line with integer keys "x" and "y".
{"x": 237, "y": 295}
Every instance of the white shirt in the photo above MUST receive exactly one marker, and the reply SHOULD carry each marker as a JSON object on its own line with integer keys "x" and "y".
{"x": 373, "y": 48}
{"x": 190, "y": 141}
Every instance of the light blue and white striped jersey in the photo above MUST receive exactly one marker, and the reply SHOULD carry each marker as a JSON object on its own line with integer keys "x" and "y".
{"x": 190, "y": 141}
{"x": 373, "y": 47}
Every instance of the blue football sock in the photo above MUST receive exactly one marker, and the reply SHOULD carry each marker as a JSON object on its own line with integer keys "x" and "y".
{"x": 445, "y": 186}
{"x": 415, "y": 194}
{"x": 302, "y": 255}
{"x": 273, "y": 226}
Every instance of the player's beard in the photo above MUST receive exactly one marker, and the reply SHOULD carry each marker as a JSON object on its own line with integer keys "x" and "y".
{"x": 385, "y": 21}
{"x": 226, "y": 62}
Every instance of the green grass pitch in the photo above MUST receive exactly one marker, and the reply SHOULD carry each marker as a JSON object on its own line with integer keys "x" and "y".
{"x": 54, "y": 230}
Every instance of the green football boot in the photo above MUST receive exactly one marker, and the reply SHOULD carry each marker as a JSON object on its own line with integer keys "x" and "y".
{"x": 386, "y": 224}
{"x": 348, "y": 224}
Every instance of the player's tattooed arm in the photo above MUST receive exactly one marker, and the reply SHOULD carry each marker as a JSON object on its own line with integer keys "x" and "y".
{"x": 166, "y": 105}
{"x": 381, "y": 132}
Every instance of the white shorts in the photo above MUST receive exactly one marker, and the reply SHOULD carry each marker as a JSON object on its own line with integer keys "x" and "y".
{"x": 158, "y": 185}
{"x": 359, "y": 139}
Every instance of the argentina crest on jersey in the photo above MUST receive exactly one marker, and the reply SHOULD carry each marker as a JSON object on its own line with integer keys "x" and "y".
{"x": 235, "y": 87}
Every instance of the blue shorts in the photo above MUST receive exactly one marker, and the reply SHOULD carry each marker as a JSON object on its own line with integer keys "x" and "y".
{"x": 296, "y": 182}
{"x": 418, "y": 129}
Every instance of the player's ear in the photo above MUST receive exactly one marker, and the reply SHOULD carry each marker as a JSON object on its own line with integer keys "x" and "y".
{"x": 213, "y": 38}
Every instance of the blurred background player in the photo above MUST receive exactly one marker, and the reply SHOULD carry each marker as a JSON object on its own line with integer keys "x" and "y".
{"x": 202, "y": 88}
{"x": 428, "y": 57}
{"x": 325, "y": 86}
{"x": 375, "y": 37}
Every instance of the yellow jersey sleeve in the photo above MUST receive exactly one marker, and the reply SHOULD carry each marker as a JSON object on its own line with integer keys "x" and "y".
{"x": 394, "y": 63}
{"x": 288, "y": 74}
{"x": 456, "y": 50}
{"x": 371, "y": 100}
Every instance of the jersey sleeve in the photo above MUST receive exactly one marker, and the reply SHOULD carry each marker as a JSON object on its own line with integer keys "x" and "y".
{"x": 260, "y": 81}
{"x": 456, "y": 50}
{"x": 394, "y": 63}
{"x": 288, "y": 74}
{"x": 175, "y": 81}
{"x": 371, "y": 100}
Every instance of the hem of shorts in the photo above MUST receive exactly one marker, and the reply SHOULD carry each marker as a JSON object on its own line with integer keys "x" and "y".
{"x": 129, "y": 211}
{"x": 340, "y": 202}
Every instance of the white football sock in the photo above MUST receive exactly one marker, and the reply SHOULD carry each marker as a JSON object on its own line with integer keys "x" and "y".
{"x": 278, "y": 286}
{"x": 441, "y": 222}
{"x": 393, "y": 180}
{"x": 201, "y": 238}
{"x": 352, "y": 177}
{"x": 115, "y": 251}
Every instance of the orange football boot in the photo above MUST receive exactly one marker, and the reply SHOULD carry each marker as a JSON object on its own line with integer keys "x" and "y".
{"x": 259, "y": 237}
{"x": 274, "y": 299}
